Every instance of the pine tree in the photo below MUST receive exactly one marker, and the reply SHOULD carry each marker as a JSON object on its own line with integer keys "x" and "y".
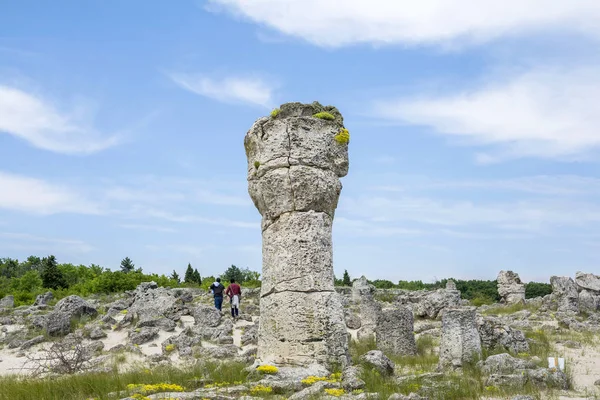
{"x": 52, "y": 277}
{"x": 346, "y": 279}
{"x": 197, "y": 277}
{"x": 233, "y": 272}
{"x": 127, "y": 265}
{"x": 189, "y": 274}
{"x": 175, "y": 276}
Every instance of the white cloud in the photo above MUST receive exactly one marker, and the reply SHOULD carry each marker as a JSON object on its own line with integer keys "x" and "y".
{"x": 542, "y": 113}
{"x": 37, "y": 121}
{"x": 36, "y": 196}
{"x": 332, "y": 23}
{"x": 232, "y": 89}
{"x": 24, "y": 241}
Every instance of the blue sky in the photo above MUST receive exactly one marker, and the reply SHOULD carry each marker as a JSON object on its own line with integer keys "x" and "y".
{"x": 474, "y": 130}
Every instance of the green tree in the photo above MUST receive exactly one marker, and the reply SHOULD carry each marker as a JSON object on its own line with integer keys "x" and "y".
{"x": 233, "y": 272}
{"x": 175, "y": 276}
{"x": 127, "y": 265}
{"x": 30, "y": 281}
{"x": 189, "y": 274}
{"x": 537, "y": 289}
{"x": 52, "y": 277}
{"x": 197, "y": 277}
{"x": 346, "y": 279}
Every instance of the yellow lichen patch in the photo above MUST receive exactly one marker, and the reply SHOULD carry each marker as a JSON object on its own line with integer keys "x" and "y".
{"x": 333, "y": 378}
{"x": 155, "y": 388}
{"x": 324, "y": 115}
{"x": 268, "y": 369}
{"x": 169, "y": 348}
{"x": 343, "y": 137}
{"x": 261, "y": 389}
{"x": 335, "y": 392}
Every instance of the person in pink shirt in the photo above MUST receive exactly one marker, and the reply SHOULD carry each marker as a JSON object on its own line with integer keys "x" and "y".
{"x": 234, "y": 291}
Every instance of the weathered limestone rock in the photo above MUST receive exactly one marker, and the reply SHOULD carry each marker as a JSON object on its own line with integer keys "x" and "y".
{"x": 564, "y": 290}
{"x": 510, "y": 288}
{"x": 430, "y": 304}
{"x": 369, "y": 309}
{"x": 7, "y": 302}
{"x": 495, "y": 334}
{"x": 294, "y": 166}
{"x": 589, "y": 282}
{"x": 361, "y": 288}
{"x": 460, "y": 339}
{"x": 43, "y": 299}
{"x": 379, "y": 361}
{"x": 394, "y": 331}
{"x": 450, "y": 285}
{"x": 588, "y": 301}
{"x": 151, "y": 301}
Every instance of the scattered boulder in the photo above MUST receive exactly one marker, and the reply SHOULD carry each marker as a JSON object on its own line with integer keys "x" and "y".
{"x": 501, "y": 364}
{"x": 151, "y": 301}
{"x": 377, "y": 360}
{"x": 43, "y": 299}
{"x": 97, "y": 333}
{"x": 206, "y": 316}
{"x": 564, "y": 290}
{"x": 143, "y": 335}
{"x": 75, "y": 306}
{"x": 57, "y": 323}
{"x": 7, "y": 302}
{"x": 587, "y": 281}
{"x": 510, "y": 288}
{"x": 351, "y": 378}
{"x": 352, "y": 320}
{"x": 495, "y": 334}
{"x": 394, "y": 331}
{"x": 32, "y": 342}
{"x": 589, "y": 301}
{"x": 460, "y": 339}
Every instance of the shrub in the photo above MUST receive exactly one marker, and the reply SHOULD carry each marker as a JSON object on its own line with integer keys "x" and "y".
{"x": 537, "y": 289}
{"x": 268, "y": 369}
{"x": 335, "y": 392}
{"x": 324, "y": 115}
{"x": 261, "y": 389}
{"x": 275, "y": 113}
{"x": 343, "y": 137}
{"x": 256, "y": 164}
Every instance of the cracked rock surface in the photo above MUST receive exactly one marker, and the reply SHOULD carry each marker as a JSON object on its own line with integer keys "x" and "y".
{"x": 294, "y": 166}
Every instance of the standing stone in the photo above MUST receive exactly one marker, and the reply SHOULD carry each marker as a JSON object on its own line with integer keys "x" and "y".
{"x": 564, "y": 290}
{"x": 295, "y": 161}
{"x": 588, "y": 282}
{"x": 361, "y": 288}
{"x": 460, "y": 339}
{"x": 7, "y": 302}
{"x": 395, "y": 331}
{"x": 510, "y": 288}
{"x": 450, "y": 285}
{"x": 43, "y": 299}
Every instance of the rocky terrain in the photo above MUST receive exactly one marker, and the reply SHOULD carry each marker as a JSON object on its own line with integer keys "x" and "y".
{"x": 420, "y": 342}
{"x": 299, "y": 337}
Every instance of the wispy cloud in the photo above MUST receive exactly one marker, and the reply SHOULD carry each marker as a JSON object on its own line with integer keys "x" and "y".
{"x": 24, "y": 241}
{"x": 546, "y": 113}
{"x": 326, "y": 23}
{"x": 38, "y": 121}
{"x": 145, "y": 227}
{"x": 230, "y": 89}
{"x": 37, "y": 196}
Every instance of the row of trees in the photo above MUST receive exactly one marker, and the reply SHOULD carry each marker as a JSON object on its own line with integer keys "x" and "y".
{"x": 34, "y": 276}
{"x": 478, "y": 291}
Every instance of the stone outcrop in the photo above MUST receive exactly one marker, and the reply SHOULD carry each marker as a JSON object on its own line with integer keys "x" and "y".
{"x": 394, "y": 332}
{"x": 460, "y": 339}
{"x": 430, "y": 304}
{"x": 510, "y": 288}
{"x": 295, "y": 161}
{"x": 564, "y": 291}
{"x": 588, "y": 282}
{"x": 494, "y": 334}
{"x": 43, "y": 299}
{"x": 7, "y": 302}
{"x": 378, "y": 361}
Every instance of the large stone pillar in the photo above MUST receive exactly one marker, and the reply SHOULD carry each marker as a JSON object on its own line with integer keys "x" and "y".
{"x": 295, "y": 161}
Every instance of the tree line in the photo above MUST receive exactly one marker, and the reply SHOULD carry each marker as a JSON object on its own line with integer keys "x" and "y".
{"x": 478, "y": 291}
{"x": 27, "y": 279}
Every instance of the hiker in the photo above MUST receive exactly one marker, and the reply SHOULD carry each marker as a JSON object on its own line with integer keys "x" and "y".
{"x": 234, "y": 291}
{"x": 217, "y": 290}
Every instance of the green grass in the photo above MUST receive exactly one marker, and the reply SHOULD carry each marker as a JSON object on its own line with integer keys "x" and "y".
{"x": 99, "y": 385}
{"x": 324, "y": 115}
{"x": 385, "y": 297}
{"x": 509, "y": 309}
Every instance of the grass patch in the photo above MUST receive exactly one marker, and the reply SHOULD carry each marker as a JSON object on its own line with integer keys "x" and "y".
{"x": 275, "y": 113}
{"x": 324, "y": 115}
{"x": 99, "y": 385}
{"x": 360, "y": 347}
{"x": 510, "y": 309}
{"x": 385, "y": 297}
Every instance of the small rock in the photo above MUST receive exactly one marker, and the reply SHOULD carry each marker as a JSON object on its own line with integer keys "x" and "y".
{"x": 32, "y": 342}
{"x": 379, "y": 361}
{"x": 310, "y": 391}
{"x": 143, "y": 336}
{"x": 351, "y": 378}
{"x": 97, "y": 333}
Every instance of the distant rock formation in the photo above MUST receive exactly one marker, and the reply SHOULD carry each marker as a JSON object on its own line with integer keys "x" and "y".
{"x": 295, "y": 160}
{"x": 564, "y": 291}
{"x": 510, "y": 288}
